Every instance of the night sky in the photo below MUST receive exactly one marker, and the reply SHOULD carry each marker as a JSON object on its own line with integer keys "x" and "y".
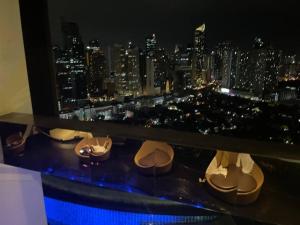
{"x": 118, "y": 21}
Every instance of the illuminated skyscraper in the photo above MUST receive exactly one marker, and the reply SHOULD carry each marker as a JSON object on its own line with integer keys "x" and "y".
{"x": 272, "y": 69}
{"x": 97, "y": 68}
{"x": 70, "y": 67}
{"x": 161, "y": 72}
{"x": 142, "y": 64}
{"x": 290, "y": 68}
{"x": 263, "y": 68}
{"x": 118, "y": 66}
{"x": 209, "y": 67}
{"x": 243, "y": 79}
{"x": 125, "y": 64}
{"x": 223, "y": 64}
{"x": 133, "y": 70}
{"x": 183, "y": 67}
{"x": 150, "y": 89}
{"x": 198, "y": 56}
{"x": 151, "y": 45}
{"x": 230, "y": 66}
{"x": 160, "y": 62}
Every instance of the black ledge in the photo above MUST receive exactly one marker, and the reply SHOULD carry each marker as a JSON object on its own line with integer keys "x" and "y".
{"x": 186, "y": 139}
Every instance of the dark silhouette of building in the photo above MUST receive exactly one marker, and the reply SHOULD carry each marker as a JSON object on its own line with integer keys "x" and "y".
{"x": 70, "y": 67}
{"x": 97, "y": 68}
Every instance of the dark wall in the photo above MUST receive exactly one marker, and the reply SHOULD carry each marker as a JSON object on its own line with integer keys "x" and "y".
{"x": 39, "y": 60}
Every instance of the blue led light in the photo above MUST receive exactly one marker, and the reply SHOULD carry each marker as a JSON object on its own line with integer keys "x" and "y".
{"x": 66, "y": 213}
{"x": 198, "y": 206}
{"x": 50, "y": 169}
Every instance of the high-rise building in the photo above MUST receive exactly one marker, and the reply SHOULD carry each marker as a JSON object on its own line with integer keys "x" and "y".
{"x": 125, "y": 64}
{"x": 65, "y": 82}
{"x": 272, "y": 69}
{"x": 143, "y": 72}
{"x": 183, "y": 67}
{"x": 208, "y": 73}
{"x": 118, "y": 66}
{"x": 216, "y": 55}
{"x": 230, "y": 67}
{"x": 263, "y": 68}
{"x": 258, "y": 62}
{"x": 70, "y": 31}
{"x": 199, "y": 75}
{"x": 151, "y": 45}
{"x": 243, "y": 80}
{"x": 150, "y": 88}
{"x": 97, "y": 68}
{"x": 133, "y": 70}
{"x": 224, "y": 64}
{"x": 161, "y": 70}
{"x": 289, "y": 67}
{"x": 160, "y": 61}
{"x": 70, "y": 67}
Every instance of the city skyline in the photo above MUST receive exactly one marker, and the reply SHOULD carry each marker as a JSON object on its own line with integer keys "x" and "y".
{"x": 119, "y": 22}
{"x": 226, "y": 91}
{"x": 92, "y": 70}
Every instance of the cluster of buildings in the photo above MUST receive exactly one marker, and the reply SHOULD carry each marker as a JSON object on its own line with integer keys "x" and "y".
{"x": 99, "y": 73}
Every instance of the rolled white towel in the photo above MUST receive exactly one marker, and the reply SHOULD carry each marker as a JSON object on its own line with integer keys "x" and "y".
{"x": 214, "y": 168}
{"x": 245, "y": 162}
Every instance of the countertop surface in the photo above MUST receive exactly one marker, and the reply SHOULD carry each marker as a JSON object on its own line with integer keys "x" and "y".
{"x": 278, "y": 202}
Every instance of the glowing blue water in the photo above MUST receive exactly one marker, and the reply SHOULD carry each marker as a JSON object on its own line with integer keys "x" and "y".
{"x": 66, "y": 213}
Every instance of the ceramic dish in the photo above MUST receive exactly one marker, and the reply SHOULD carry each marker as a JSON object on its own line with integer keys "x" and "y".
{"x": 93, "y": 149}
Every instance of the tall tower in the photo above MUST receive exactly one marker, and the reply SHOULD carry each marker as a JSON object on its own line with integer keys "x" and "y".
{"x": 199, "y": 55}
{"x": 97, "y": 68}
{"x": 118, "y": 67}
{"x": 70, "y": 66}
{"x": 125, "y": 64}
{"x": 151, "y": 45}
{"x": 257, "y": 65}
{"x": 243, "y": 81}
{"x": 230, "y": 67}
{"x": 142, "y": 64}
{"x": 133, "y": 70}
{"x": 150, "y": 90}
{"x": 160, "y": 62}
{"x": 69, "y": 30}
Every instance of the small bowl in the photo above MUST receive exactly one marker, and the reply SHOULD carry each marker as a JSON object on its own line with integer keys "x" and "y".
{"x": 93, "y": 156}
{"x": 15, "y": 143}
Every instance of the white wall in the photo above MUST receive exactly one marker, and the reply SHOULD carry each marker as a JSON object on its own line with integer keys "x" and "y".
{"x": 21, "y": 197}
{"x": 14, "y": 89}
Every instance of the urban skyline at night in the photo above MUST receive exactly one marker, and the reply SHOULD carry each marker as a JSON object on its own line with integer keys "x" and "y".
{"x": 222, "y": 88}
{"x": 256, "y": 70}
